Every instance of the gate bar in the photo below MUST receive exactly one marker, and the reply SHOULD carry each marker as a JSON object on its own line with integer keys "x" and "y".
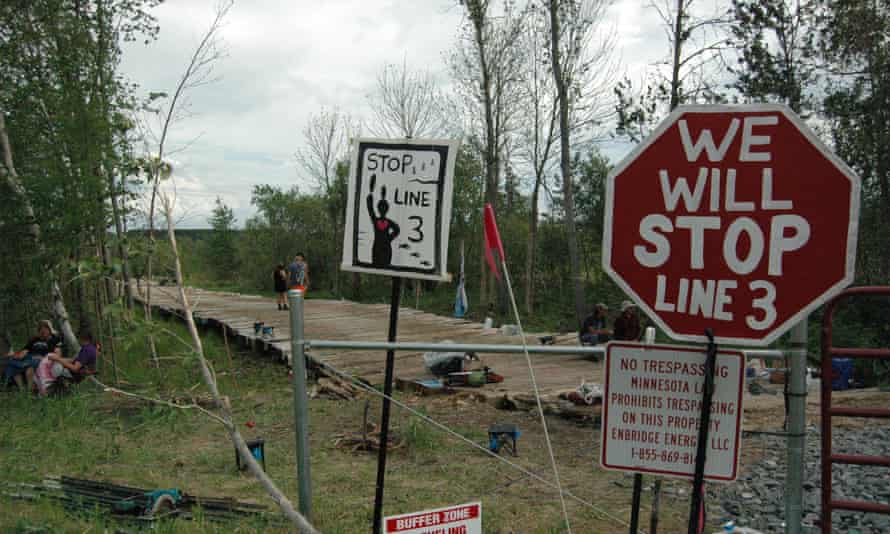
{"x": 410, "y": 346}
{"x": 828, "y": 411}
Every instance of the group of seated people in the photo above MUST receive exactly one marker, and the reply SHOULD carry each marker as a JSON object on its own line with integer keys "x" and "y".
{"x": 626, "y": 326}
{"x": 41, "y": 364}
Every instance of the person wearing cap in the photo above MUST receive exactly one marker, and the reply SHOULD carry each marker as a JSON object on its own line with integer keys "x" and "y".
{"x": 26, "y": 360}
{"x": 627, "y": 325}
{"x": 594, "y": 330}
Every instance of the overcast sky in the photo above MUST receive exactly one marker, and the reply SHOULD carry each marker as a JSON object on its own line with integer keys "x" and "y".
{"x": 288, "y": 59}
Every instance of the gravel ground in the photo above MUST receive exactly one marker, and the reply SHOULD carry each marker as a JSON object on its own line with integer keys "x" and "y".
{"x": 756, "y": 499}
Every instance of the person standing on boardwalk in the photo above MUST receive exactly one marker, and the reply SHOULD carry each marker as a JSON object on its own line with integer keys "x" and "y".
{"x": 298, "y": 273}
{"x": 280, "y": 277}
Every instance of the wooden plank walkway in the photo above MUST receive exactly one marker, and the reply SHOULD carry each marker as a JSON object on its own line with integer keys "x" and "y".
{"x": 343, "y": 320}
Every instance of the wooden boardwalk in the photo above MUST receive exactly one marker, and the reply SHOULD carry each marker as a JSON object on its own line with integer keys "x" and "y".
{"x": 343, "y": 320}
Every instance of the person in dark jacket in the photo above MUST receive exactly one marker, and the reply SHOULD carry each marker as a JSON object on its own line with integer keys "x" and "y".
{"x": 594, "y": 329}
{"x": 627, "y": 325}
{"x": 280, "y": 277}
{"x": 21, "y": 364}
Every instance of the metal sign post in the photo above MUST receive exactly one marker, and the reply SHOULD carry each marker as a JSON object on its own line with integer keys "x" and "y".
{"x": 398, "y": 213}
{"x": 301, "y": 409}
{"x": 698, "y": 481}
{"x": 387, "y": 393}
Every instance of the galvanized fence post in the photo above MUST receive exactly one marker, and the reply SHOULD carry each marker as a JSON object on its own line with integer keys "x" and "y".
{"x": 301, "y": 403}
{"x": 797, "y": 410}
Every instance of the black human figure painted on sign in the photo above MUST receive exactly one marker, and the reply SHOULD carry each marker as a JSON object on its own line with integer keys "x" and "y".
{"x": 385, "y": 229}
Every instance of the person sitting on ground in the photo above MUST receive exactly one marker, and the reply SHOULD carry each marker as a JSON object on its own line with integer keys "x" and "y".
{"x": 298, "y": 273}
{"x": 21, "y": 365}
{"x": 76, "y": 369}
{"x": 594, "y": 329}
{"x": 280, "y": 277}
{"x": 627, "y": 325}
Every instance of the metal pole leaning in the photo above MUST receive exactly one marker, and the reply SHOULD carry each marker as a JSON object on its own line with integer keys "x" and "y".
{"x": 695, "y": 510}
{"x": 635, "y": 504}
{"x": 301, "y": 404}
{"x": 797, "y": 400}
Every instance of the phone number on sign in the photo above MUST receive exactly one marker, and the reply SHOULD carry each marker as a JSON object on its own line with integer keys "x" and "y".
{"x": 663, "y": 455}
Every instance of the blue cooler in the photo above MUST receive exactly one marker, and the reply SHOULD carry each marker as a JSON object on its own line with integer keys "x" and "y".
{"x": 841, "y": 373}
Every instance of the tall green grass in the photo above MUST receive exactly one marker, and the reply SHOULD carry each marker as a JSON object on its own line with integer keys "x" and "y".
{"x": 97, "y": 435}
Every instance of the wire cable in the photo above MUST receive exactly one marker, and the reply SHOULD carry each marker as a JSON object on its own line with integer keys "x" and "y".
{"x": 365, "y": 387}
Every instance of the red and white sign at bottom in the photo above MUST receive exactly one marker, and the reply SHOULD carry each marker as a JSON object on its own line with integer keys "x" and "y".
{"x": 460, "y": 519}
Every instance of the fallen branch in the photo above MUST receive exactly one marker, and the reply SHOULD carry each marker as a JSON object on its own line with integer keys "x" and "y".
{"x": 225, "y": 415}
{"x": 181, "y": 406}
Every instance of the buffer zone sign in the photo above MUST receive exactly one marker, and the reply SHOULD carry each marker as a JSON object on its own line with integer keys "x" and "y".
{"x": 652, "y": 410}
{"x": 734, "y": 218}
{"x": 460, "y": 519}
{"x": 398, "y": 210}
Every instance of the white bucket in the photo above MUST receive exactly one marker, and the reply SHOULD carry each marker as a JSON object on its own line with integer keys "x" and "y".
{"x": 649, "y": 336}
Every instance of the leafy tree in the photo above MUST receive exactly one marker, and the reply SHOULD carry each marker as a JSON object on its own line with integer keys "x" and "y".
{"x": 222, "y": 241}
{"x": 776, "y": 45}
{"x": 65, "y": 106}
{"x": 855, "y": 43}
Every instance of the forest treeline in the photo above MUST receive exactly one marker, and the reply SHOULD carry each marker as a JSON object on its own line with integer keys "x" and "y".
{"x": 534, "y": 93}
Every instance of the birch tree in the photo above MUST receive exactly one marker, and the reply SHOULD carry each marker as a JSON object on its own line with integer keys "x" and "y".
{"x": 14, "y": 184}
{"x": 167, "y": 112}
{"x": 223, "y": 414}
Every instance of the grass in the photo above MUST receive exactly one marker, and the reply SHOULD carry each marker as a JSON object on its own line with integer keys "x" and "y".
{"x": 95, "y": 435}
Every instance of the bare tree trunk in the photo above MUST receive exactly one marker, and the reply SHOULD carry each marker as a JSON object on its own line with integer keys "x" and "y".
{"x": 123, "y": 248}
{"x": 111, "y": 344}
{"x": 532, "y": 249}
{"x": 15, "y": 185}
{"x": 222, "y": 406}
{"x": 477, "y": 10}
{"x": 483, "y": 273}
{"x": 679, "y": 39}
{"x": 197, "y": 72}
{"x": 568, "y": 184}
{"x": 356, "y": 285}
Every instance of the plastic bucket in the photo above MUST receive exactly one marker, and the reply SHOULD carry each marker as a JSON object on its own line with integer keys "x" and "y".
{"x": 842, "y": 372}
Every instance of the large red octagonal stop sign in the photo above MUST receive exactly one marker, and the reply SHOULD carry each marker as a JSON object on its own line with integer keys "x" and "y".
{"x": 734, "y": 218}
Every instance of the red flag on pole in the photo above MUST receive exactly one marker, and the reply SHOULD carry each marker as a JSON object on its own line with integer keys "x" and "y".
{"x": 492, "y": 241}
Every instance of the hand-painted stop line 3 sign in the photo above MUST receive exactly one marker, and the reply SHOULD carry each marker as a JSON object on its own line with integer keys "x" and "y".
{"x": 460, "y": 519}
{"x": 398, "y": 210}
{"x": 652, "y": 410}
{"x": 735, "y": 218}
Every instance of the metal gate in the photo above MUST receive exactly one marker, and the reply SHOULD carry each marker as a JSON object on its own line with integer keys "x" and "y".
{"x": 830, "y": 458}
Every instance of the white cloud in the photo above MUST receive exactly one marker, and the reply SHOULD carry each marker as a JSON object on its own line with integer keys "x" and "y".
{"x": 289, "y": 58}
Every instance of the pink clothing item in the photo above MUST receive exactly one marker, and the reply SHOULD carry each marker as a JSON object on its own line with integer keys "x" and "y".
{"x": 44, "y": 376}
